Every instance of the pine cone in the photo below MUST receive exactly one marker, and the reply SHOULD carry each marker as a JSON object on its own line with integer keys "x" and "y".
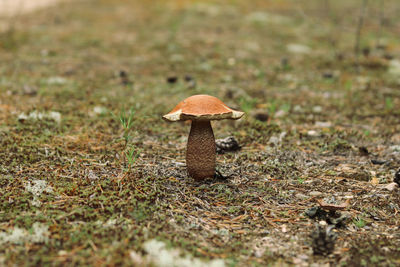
{"x": 397, "y": 177}
{"x": 226, "y": 145}
{"x": 323, "y": 240}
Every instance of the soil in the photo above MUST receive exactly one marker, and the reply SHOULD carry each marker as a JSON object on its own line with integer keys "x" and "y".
{"x": 90, "y": 172}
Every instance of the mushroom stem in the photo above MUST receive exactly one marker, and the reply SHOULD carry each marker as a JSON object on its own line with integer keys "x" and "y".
{"x": 200, "y": 152}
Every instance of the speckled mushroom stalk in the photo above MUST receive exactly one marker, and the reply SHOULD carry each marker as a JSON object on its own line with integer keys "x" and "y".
{"x": 200, "y": 151}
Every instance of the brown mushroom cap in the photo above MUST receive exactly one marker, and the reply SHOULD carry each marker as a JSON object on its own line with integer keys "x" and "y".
{"x": 202, "y": 108}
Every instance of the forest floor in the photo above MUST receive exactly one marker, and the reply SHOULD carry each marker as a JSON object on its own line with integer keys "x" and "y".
{"x": 321, "y": 124}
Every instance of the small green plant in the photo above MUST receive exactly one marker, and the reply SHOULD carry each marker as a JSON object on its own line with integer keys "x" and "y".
{"x": 285, "y": 107}
{"x": 247, "y": 104}
{"x": 127, "y": 122}
{"x": 359, "y": 222}
{"x": 131, "y": 155}
{"x": 272, "y": 107}
{"x": 389, "y": 105}
{"x": 348, "y": 85}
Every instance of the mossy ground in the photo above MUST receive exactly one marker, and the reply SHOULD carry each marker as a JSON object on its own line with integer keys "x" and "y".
{"x": 338, "y": 113}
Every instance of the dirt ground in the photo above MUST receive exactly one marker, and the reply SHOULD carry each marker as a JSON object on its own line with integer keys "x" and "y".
{"x": 91, "y": 175}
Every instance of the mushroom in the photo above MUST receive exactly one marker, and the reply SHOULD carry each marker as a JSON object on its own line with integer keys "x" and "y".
{"x": 200, "y": 151}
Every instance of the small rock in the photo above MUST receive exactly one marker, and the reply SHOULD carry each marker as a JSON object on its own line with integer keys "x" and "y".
{"x": 285, "y": 62}
{"x": 323, "y": 124}
{"x": 315, "y": 193}
{"x": 136, "y": 258}
{"x": 297, "y": 109}
{"x": 391, "y": 186}
{"x": 231, "y": 61}
{"x": 353, "y": 172}
{"x": 280, "y": 113}
{"x": 261, "y": 18}
{"x": 236, "y": 93}
{"x": 298, "y": 49}
{"x": 92, "y": 176}
{"x": 191, "y": 82}
{"x": 56, "y": 80}
{"x": 327, "y": 75}
{"x": 339, "y": 221}
{"x": 188, "y": 78}
{"x": 123, "y": 75}
{"x": 261, "y": 115}
{"x": 205, "y": 66}
{"x": 314, "y": 212}
{"x": 395, "y": 148}
{"x": 378, "y": 162}
{"x": 366, "y": 51}
{"x": 313, "y": 133}
{"x": 99, "y": 110}
{"x": 179, "y": 164}
{"x": 301, "y": 196}
{"x": 29, "y": 90}
{"x": 252, "y": 46}
{"x": 394, "y": 67}
{"x": 363, "y": 81}
{"x": 273, "y": 140}
{"x": 22, "y": 117}
{"x": 395, "y": 138}
{"x": 176, "y": 58}
{"x": 44, "y": 52}
{"x": 317, "y": 109}
{"x": 388, "y": 56}
{"x": 172, "y": 79}
{"x": 276, "y": 140}
{"x": 363, "y": 151}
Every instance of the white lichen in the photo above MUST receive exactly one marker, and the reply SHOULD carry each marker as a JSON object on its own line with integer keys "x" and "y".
{"x": 298, "y": 49}
{"x": 263, "y": 18}
{"x": 36, "y": 188}
{"x": 36, "y": 115}
{"x": 159, "y": 255}
{"x": 394, "y": 67}
{"x": 56, "y": 80}
{"x": 99, "y": 110}
{"x": 18, "y": 236}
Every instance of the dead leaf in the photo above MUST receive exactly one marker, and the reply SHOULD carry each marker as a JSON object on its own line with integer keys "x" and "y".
{"x": 374, "y": 181}
{"x": 333, "y": 207}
